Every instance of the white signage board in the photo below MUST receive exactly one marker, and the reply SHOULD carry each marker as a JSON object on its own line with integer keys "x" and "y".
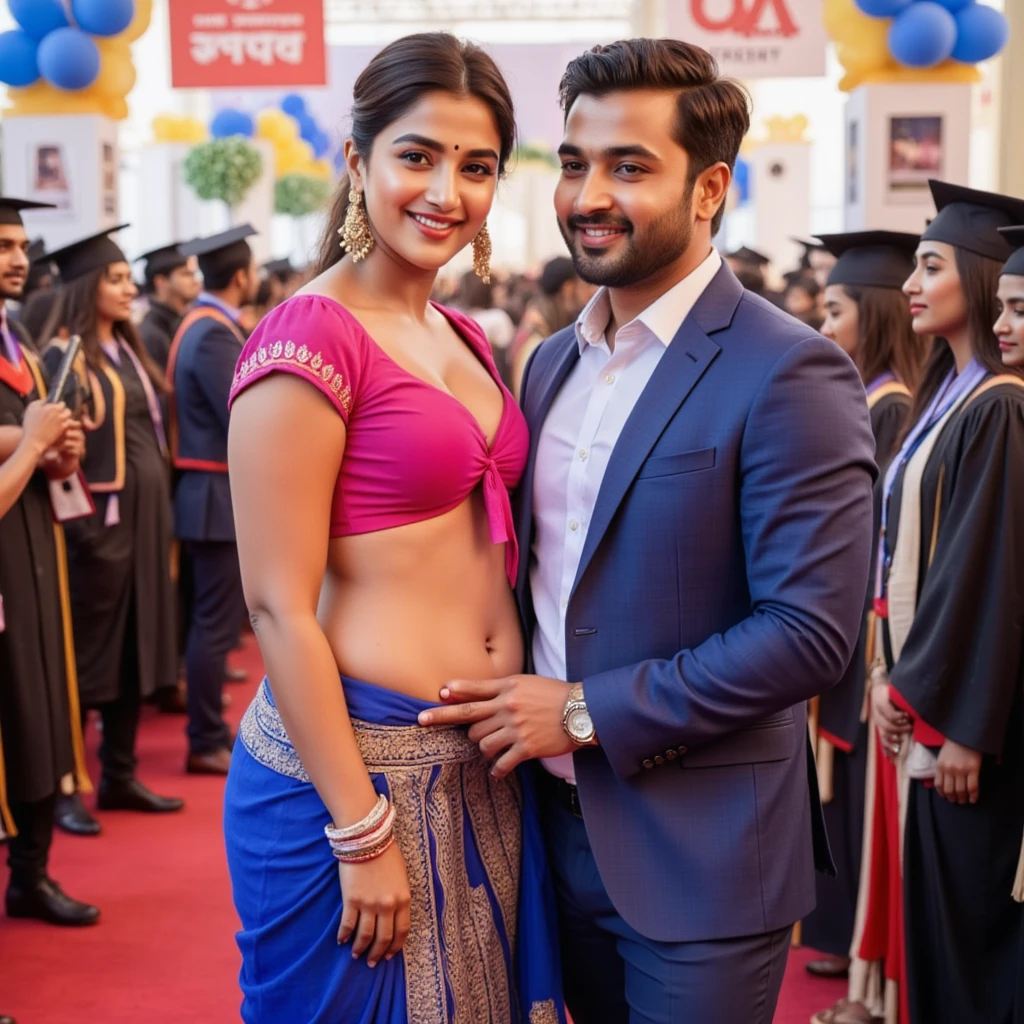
{"x": 754, "y": 38}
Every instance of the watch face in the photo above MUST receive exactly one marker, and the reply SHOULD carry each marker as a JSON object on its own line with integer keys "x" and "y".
{"x": 579, "y": 726}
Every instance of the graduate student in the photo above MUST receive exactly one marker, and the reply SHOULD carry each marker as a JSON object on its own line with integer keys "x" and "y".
{"x": 118, "y": 558}
{"x": 952, "y": 607}
{"x": 867, "y": 316}
{"x": 38, "y": 692}
{"x": 1009, "y": 327}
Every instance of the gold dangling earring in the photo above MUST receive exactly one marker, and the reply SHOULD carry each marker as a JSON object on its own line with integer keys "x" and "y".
{"x": 482, "y": 255}
{"x": 356, "y": 236}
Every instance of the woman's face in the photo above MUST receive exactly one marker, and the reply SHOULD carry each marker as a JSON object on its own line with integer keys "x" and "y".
{"x": 115, "y": 293}
{"x": 1009, "y": 327}
{"x": 841, "y": 321}
{"x": 430, "y": 180}
{"x": 797, "y": 301}
{"x": 937, "y": 301}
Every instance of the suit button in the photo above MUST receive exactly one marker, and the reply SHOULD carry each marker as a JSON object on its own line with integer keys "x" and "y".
{"x": 671, "y": 755}
{"x": 659, "y": 759}
{"x": 648, "y": 763}
{"x": 682, "y": 750}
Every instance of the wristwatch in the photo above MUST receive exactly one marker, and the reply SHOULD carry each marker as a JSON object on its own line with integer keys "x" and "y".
{"x": 576, "y": 720}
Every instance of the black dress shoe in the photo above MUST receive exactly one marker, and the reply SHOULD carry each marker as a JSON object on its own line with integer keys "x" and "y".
{"x": 133, "y": 796}
{"x": 171, "y": 700}
{"x": 829, "y": 967}
{"x": 46, "y": 901}
{"x": 216, "y": 763}
{"x": 4, "y": 1019}
{"x": 72, "y": 817}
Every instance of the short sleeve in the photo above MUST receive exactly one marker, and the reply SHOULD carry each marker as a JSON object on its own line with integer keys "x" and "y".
{"x": 312, "y": 338}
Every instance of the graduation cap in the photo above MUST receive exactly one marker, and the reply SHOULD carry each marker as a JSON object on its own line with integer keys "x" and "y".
{"x": 1015, "y": 264}
{"x": 280, "y": 268}
{"x": 37, "y": 251}
{"x": 164, "y": 260}
{"x": 871, "y": 259}
{"x": 11, "y": 210}
{"x": 88, "y": 254}
{"x": 808, "y": 244}
{"x": 217, "y": 252}
{"x": 747, "y": 255}
{"x": 970, "y": 220}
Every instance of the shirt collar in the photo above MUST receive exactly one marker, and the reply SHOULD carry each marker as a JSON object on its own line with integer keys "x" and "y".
{"x": 662, "y": 318}
{"x": 206, "y": 299}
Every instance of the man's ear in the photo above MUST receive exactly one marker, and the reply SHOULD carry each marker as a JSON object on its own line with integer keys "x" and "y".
{"x": 711, "y": 190}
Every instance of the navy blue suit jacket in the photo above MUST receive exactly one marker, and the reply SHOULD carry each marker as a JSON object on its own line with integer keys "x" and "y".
{"x": 721, "y": 586}
{"x": 203, "y": 373}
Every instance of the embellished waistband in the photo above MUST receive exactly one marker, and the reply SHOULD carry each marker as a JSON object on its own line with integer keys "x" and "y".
{"x": 384, "y": 748}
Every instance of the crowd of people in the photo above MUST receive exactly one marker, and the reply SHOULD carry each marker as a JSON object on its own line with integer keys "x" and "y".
{"x": 694, "y": 538}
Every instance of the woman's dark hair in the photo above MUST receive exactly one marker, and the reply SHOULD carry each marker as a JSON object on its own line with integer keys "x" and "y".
{"x": 43, "y": 316}
{"x": 80, "y": 318}
{"x": 979, "y": 280}
{"x": 887, "y": 342}
{"x": 394, "y": 82}
{"x": 713, "y": 113}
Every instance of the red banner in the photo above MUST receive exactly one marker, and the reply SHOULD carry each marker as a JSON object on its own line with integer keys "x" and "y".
{"x": 236, "y": 43}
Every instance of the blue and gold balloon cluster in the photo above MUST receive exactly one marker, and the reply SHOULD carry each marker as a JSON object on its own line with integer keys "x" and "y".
{"x": 924, "y": 33}
{"x": 72, "y": 57}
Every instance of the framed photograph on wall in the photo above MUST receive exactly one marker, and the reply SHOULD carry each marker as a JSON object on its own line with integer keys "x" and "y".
{"x": 915, "y": 155}
{"x": 50, "y": 175}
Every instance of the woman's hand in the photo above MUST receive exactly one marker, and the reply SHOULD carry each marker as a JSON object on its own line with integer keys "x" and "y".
{"x": 893, "y": 724}
{"x": 958, "y": 773}
{"x": 376, "y": 903}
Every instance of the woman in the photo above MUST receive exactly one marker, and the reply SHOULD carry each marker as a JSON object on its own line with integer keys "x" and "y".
{"x": 118, "y": 558}
{"x": 371, "y": 448}
{"x": 1009, "y": 327}
{"x": 866, "y": 314}
{"x": 952, "y": 557}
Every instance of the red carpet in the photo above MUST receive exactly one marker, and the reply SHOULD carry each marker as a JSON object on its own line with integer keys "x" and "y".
{"x": 164, "y": 952}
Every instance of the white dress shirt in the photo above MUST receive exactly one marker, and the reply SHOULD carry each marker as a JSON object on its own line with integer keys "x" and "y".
{"x": 575, "y": 444}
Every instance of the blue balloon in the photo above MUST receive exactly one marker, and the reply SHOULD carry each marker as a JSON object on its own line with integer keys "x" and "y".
{"x": 103, "y": 17}
{"x": 981, "y": 33}
{"x": 19, "y": 59}
{"x": 741, "y": 177}
{"x": 321, "y": 145}
{"x": 339, "y": 161}
{"x": 955, "y": 5}
{"x": 308, "y": 129}
{"x": 883, "y": 8}
{"x": 227, "y": 123}
{"x": 38, "y": 17}
{"x": 69, "y": 59}
{"x": 294, "y": 105}
{"x": 923, "y": 35}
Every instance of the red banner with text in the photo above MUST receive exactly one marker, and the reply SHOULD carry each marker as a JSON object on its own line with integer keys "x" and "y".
{"x": 228, "y": 44}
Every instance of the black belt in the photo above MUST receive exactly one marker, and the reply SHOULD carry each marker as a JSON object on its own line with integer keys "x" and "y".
{"x": 564, "y": 793}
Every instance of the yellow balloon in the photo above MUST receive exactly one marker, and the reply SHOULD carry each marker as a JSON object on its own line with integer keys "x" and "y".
{"x": 117, "y": 75}
{"x": 176, "y": 128}
{"x": 43, "y": 98}
{"x": 116, "y": 108}
{"x": 276, "y": 126}
{"x": 323, "y": 170}
{"x": 140, "y": 23}
{"x": 862, "y": 42}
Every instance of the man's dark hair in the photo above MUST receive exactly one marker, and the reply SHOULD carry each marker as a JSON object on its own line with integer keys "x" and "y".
{"x": 713, "y": 112}
{"x": 219, "y": 272}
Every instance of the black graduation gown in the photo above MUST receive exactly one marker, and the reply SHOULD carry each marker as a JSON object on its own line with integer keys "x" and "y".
{"x": 157, "y": 330}
{"x": 35, "y": 720}
{"x": 961, "y": 669}
{"x": 829, "y": 927}
{"x": 122, "y": 598}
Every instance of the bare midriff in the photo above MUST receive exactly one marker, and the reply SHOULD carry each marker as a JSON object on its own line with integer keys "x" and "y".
{"x": 415, "y": 607}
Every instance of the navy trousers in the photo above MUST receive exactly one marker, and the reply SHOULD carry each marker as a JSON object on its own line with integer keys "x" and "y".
{"x": 614, "y": 975}
{"x": 217, "y": 601}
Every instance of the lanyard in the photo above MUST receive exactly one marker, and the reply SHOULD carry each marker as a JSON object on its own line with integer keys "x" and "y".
{"x": 10, "y": 345}
{"x": 878, "y": 382}
{"x": 112, "y": 350}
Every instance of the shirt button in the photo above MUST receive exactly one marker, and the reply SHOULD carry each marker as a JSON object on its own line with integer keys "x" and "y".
{"x": 574, "y": 525}
{"x": 582, "y": 454}
{"x": 609, "y": 378}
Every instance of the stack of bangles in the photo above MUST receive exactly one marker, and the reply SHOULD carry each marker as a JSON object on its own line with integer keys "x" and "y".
{"x": 366, "y": 839}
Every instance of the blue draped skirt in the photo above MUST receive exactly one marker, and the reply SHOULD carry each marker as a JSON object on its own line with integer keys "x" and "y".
{"x": 483, "y": 944}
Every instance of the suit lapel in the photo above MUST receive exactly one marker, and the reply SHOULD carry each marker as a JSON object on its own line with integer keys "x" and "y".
{"x": 686, "y": 359}
{"x": 546, "y": 386}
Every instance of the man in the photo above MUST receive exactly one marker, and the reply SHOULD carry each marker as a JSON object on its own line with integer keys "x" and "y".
{"x": 172, "y": 284}
{"x": 697, "y": 503}
{"x": 39, "y": 716}
{"x": 284, "y": 281}
{"x": 201, "y": 368}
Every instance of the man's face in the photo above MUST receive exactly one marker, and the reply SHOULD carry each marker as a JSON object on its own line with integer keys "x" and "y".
{"x": 13, "y": 260}
{"x": 624, "y": 201}
{"x": 184, "y": 282}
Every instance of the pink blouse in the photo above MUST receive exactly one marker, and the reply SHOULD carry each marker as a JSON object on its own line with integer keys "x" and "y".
{"x": 412, "y": 452}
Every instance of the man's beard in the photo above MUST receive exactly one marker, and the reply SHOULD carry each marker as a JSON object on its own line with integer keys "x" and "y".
{"x": 10, "y": 292}
{"x": 660, "y": 245}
